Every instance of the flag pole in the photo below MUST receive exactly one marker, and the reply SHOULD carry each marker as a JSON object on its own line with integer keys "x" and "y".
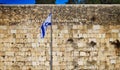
{"x": 51, "y": 58}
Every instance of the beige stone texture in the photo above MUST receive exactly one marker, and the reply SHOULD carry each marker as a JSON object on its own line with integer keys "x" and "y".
{"x": 85, "y": 37}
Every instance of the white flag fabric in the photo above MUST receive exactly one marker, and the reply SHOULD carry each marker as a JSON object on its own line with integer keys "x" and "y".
{"x": 44, "y": 26}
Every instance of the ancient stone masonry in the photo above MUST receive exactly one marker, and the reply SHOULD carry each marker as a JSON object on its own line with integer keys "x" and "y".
{"x": 85, "y": 37}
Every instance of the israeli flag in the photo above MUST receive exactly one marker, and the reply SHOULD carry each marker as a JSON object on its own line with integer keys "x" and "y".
{"x": 44, "y": 26}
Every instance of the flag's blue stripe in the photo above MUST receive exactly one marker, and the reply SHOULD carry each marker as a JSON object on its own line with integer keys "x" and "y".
{"x": 42, "y": 31}
{"x": 43, "y": 28}
{"x": 47, "y": 24}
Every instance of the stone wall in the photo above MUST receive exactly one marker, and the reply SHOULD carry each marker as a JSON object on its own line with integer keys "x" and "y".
{"x": 85, "y": 37}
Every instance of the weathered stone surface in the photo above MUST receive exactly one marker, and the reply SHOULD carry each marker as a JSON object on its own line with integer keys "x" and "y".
{"x": 85, "y": 37}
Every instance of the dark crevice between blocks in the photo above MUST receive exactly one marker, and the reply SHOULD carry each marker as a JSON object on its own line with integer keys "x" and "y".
{"x": 70, "y": 40}
{"x": 116, "y": 44}
{"x": 92, "y": 43}
{"x": 93, "y": 18}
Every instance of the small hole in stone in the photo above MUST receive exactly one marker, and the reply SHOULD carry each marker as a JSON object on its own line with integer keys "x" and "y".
{"x": 92, "y": 43}
{"x": 3, "y": 56}
{"x": 12, "y": 43}
{"x": 76, "y": 66}
{"x": 93, "y": 18}
{"x": 29, "y": 69}
{"x": 116, "y": 43}
{"x": 25, "y": 36}
{"x": 12, "y": 61}
{"x": 70, "y": 40}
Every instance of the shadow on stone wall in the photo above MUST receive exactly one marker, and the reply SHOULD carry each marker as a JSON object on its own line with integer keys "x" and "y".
{"x": 116, "y": 44}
